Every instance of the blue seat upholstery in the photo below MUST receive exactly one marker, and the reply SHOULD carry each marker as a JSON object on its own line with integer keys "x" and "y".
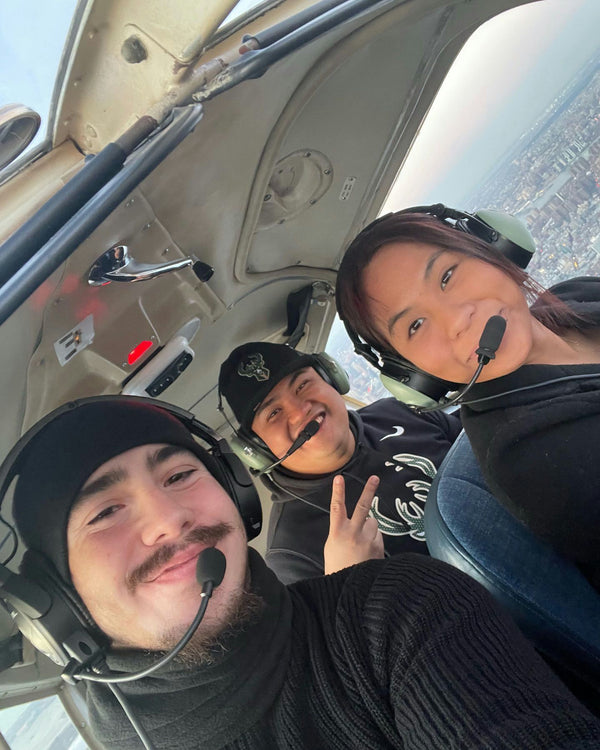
{"x": 549, "y": 598}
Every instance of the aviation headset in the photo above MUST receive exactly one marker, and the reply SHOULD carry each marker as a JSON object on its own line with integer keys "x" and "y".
{"x": 45, "y": 608}
{"x": 498, "y": 229}
{"x": 253, "y": 451}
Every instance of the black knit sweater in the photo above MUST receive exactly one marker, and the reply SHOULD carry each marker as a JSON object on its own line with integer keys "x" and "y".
{"x": 405, "y": 653}
{"x": 538, "y": 447}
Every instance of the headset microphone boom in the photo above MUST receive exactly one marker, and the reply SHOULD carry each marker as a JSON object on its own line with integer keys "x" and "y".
{"x": 490, "y": 341}
{"x": 306, "y": 434}
{"x": 210, "y": 570}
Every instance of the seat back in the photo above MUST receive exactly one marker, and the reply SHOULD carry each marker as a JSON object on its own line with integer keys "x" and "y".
{"x": 549, "y": 598}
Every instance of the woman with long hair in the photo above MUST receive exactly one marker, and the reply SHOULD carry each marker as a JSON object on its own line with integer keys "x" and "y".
{"x": 417, "y": 289}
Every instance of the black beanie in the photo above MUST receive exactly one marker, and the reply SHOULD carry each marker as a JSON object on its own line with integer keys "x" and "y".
{"x": 250, "y": 373}
{"x": 60, "y": 458}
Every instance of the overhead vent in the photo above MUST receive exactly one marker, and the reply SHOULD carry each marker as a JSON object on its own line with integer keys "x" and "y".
{"x": 298, "y": 181}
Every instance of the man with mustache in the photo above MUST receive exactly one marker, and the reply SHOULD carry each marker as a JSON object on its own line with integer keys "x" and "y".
{"x": 115, "y": 501}
{"x": 274, "y": 392}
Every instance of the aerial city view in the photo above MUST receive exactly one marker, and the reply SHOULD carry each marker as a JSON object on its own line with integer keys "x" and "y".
{"x": 551, "y": 180}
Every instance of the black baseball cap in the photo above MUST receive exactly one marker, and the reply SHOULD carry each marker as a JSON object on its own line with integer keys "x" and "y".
{"x": 251, "y": 372}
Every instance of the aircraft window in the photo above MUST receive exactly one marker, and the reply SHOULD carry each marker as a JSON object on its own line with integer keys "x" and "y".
{"x": 365, "y": 385}
{"x": 522, "y": 137}
{"x": 30, "y": 53}
{"x": 242, "y": 8}
{"x": 39, "y": 725}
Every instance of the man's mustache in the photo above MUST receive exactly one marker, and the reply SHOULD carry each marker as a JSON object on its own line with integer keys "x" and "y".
{"x": 208, "y": 535}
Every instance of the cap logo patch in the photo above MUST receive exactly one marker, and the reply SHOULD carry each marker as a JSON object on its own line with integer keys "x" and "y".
{"x": 254, "y": 367}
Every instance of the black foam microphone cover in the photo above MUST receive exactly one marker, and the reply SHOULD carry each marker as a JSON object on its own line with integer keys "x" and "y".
{"x": 309, "y": 431}
{"x": 491, "y": 337}
{"x": 311, "y": 428}
{"x": 210, "y": 566}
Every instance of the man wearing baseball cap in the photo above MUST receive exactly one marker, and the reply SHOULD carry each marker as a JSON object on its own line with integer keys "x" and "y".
{"x": 274, "y": 393}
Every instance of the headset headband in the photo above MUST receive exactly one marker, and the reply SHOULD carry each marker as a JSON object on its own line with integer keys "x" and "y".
{"x": 10, "y": 465}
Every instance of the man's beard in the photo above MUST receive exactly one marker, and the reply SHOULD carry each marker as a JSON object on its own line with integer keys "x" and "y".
{"x": 207, "y": 645}
{"x": 209, "y": 640}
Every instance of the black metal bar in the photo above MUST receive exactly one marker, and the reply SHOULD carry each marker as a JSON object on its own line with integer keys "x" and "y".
{"x": 255, "y": 63}
{"x": 37, "y": 230}
{"x": 66, "y": 240}
{"x": 274, "y": 33}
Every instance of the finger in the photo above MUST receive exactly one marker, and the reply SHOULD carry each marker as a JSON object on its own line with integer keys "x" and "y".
{"x": 378, "y": 544}
{"x": 370, "y": 528}
{"x": 363, "y": 506}
{"x": 337, "y": 508}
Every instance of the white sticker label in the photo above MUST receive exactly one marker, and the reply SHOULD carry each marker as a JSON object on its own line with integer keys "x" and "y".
{"x": 75, "y": 340}
{"x": 347, "y": 188}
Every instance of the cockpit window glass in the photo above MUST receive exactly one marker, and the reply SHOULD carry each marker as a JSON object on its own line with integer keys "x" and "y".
{"x": 365, "y": 385}
{"x": 32, "y": 39}
{"x": 514, "y": 127}
{"x": 242, "y": 8}
{"x": 40, "y": 725}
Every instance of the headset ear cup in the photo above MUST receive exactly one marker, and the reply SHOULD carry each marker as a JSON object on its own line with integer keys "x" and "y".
{"x": 405, "y": 393}
{"x": 240, "y": 487}
{"x": 515, "y": 241}
{"x": 249, "y": 453}
{"x": 332, "y": 372}
{"x": 67, "y": 622}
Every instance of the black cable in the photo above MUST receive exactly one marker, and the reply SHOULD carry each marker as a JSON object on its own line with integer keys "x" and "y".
{"x": 13, "y": 533}
{"x": 342, "y": 473}
{"x": 582, "y": 376}
{"x": 142, "y": 734}
{"x": 314, "y": 505}
{"x": 451, "y": 401}
{"x": 270, "y": 478}
{"x": 110, "y": 679}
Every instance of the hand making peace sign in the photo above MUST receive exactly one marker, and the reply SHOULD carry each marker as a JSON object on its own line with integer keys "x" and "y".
{"x": 352, "y": 540}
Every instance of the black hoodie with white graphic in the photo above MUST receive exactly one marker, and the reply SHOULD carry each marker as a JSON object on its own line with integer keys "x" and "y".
{"x": 402, "y": 448}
